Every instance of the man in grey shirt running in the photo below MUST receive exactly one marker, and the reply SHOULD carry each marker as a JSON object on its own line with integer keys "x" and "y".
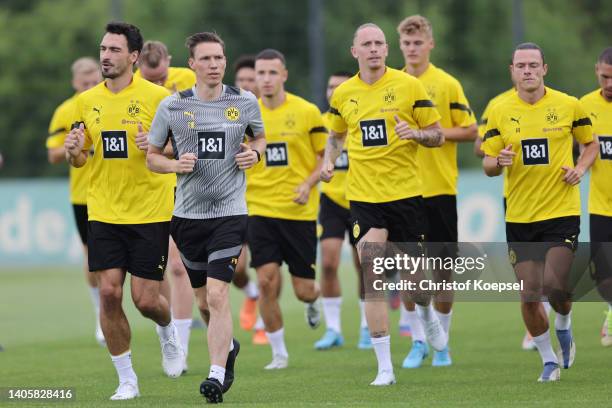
{"x": 206, "y": 126}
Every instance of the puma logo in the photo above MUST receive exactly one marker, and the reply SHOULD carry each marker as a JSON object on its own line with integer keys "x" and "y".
{"x": 354, "y": 101}
{"x": 593, "y": 114}
{"x": 517, "y": 120}
{"x": 97, "y": 110}
{"x": 189, "y": 114}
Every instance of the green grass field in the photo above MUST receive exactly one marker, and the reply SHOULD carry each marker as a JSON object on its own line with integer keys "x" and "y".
{"x": 46, "y": 328}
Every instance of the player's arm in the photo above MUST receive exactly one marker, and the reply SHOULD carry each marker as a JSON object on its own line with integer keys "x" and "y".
{"x": 56, "y": 154}
{"x": 496, "y": 155}
{"x": 582, "y": 130}
{"x": 430, "y": 136}
{"x": 460, "y": 133}
{"x": 333, "y": 150}
{"x": 252, "y": 152}
{"x": 303, "y": 190}
{"x": 157, "y": 162}
{"x": 75, "y": 140}
{"x": 478, "y": 147}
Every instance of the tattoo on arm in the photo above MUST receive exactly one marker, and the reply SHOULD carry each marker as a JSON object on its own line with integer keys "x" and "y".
{"x": 430, "y": 137}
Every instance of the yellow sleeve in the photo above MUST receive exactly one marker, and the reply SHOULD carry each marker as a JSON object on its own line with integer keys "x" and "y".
{"x": 423, "y": 110}
{"x": 492, "y": 143}
{"x": 482, "y": 126}
{"x": 582, "y": 128}
{"x": 318, "y": 132}
{"x": 336, "y": 121}
{"x": 57, "y": 130}
{"x": 461, "y": 113}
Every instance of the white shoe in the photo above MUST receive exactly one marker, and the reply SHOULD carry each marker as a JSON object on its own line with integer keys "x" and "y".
{"x": 278, "y": 362}
{"x": 99, "y": 335}
{"x": 528, "y": 343}
{"x": 384, "y": 378}
{"x": 126, "y": 391}
{"x": 436, "y": 336}
{"x": 173, "y": 356}
{"x": 313, "y": 313}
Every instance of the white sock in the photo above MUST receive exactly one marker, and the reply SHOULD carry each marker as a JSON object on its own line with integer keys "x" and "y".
{"x": 445, "y": 320}
{"x": 123, "y": 365}
{"x": 331, "y": 311}
{"x": 426, "y": 313}
{"x": 259, "y": 324}
{"x": 95, "y": 299}
{"x": 277, "y": 342}
{"x": 217, "y": 372}
{"x": 545, "y": 349}
{"x": 183, "y": 327}
{"x": 563, "y": 322}
{"x": 165, "y": 332}
{"x": 382, "y": 348}
{"x": 251, "y": 290}
{"x": 416, "y": 326}
{"x": 547, "y": 307}
{"x": 364, "y": 322}
{"x": 404, "y": 319}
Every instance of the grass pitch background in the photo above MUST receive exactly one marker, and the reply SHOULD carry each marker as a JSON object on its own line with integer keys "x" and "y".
{"x": 46, "y": 328}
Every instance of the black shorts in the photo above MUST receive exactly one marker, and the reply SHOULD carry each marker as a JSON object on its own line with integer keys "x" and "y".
{"x": 141, "y": 249}
{"x": 334, "y": 219}
{"x": 562, "y": 231}
{"x": 404, "y": 219}
{"x": 209, "y": 247}
{"x": 80, "y": 217}
{"x": 601, "y": 246}
{"x": 277, "y": 240}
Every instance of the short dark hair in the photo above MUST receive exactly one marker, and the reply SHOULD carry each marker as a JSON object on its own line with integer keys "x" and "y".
{"x": 244, "y": 61}
{"x": 131, "y": 33}
{"x": 528, "y": 46}
{"x": 345, "y": 74}
{"x": 204, "y": 37}
{"x": 606, "y": 56}
{"x": 271, "y": 54}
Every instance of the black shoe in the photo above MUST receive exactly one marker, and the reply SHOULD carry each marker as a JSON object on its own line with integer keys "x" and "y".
{"x": 212, "y": 390}
{"x": 229, "y": 366}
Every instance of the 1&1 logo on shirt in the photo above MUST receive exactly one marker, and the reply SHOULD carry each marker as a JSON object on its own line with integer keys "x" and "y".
{"x": 373, "y": 133}
{"x": 535, "y": 151}
{"x": 114, "y": 144}
{"x": 276, "y": 155}
{"x": 211, "y": 145}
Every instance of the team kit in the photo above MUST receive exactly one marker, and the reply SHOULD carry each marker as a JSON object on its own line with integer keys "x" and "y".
{"x": 176, "y": 176}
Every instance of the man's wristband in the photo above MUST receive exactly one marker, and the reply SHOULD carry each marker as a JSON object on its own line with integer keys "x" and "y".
{"x": 498, "y": 165}
{"x": 258, "y": 155}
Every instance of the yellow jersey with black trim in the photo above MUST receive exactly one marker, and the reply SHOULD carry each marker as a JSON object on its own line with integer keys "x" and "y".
{"x": 438, "y": 165}
{"x": 122, "y": 190}
{"x": 295, "y": 135}
{"x": 178, "y": 79}
{"x": 60, "y": 125}
{"x": 382, "y": 167}
{"x": 482, "y": 126}
{"x": 600, "y": 191}
{"x": 336, "y": 188}
{"x": 541, "y": 135}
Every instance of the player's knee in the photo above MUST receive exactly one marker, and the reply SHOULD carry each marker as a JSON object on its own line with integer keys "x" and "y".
{"x": 217, "y": 297}
{"x": 268, "y": 287}
{"x": 329, "y": 268}
{"x": 306, "y": 292}
{"x": 147, "y": 305}
{"x": 110, "y": 294}
{"x": 176, "y": 267}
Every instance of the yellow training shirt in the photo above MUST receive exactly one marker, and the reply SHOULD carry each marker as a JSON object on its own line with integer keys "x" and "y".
{"x": 121, "y": 188}
{"x": 438, "y": 165}
{"x": 482, "y": 126}
{"x": 600, "y": 190}
{"x": 178, "y": 79}
{"x": 60, "y": 125}
{"x": 382, "y": 168}
{"x": 336, "y": 188}
{"x": 295, "y": 134}
{"x": 541, "y": 135}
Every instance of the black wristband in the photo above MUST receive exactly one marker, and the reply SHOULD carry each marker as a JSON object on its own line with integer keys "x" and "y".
{"x": 258, "y": 155}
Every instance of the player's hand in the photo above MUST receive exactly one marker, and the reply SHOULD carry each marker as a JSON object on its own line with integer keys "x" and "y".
{"x": 142, "y": 138}
{"x": 403, "y": 131}
{"x": 505, "y": 157}
{"x": 302, "y": 193}
{"x": 75, "y": 140}
{"x": 572, "y": 175}
{"x": 186, "y": 163}
{"x": 327, "y": 172}
{"x": 247, "y": 157}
